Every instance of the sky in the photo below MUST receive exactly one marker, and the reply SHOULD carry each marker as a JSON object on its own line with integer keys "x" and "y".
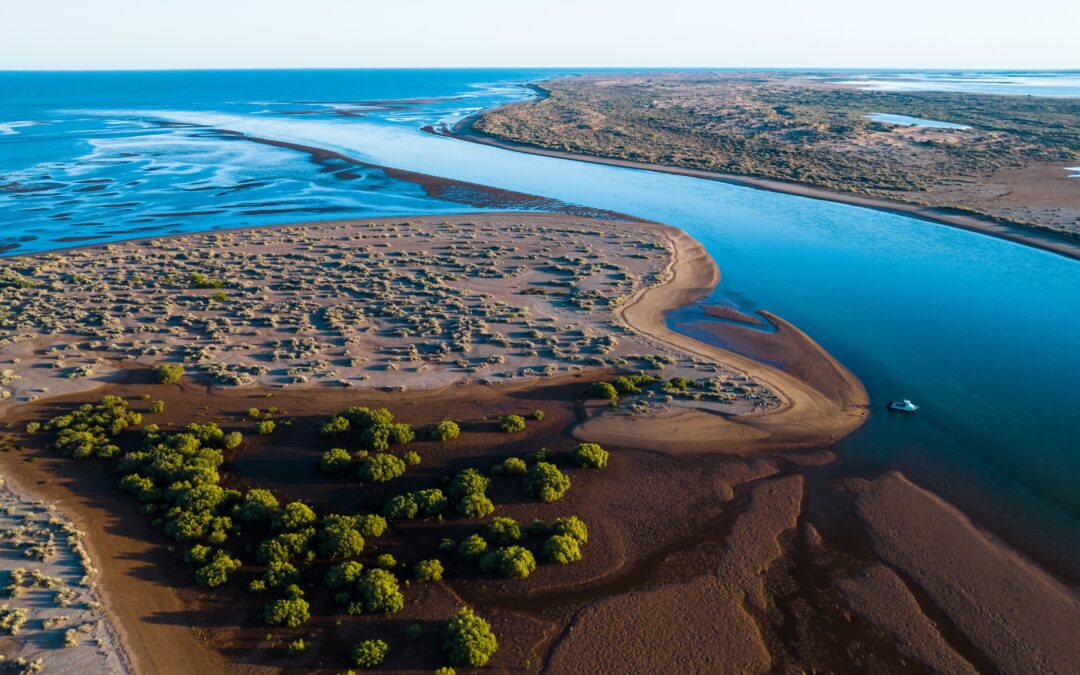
{"x": 154, "y": 34}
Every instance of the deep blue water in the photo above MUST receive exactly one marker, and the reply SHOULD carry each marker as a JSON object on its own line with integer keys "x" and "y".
{"x": 981, "y": 332}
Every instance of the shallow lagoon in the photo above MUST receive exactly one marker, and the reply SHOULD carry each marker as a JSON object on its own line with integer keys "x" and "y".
{"x": 907, "y": 121}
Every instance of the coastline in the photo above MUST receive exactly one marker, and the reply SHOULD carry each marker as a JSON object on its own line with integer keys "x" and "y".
{"x": 806, "y": 418}
{"x": 1018, "y": 234}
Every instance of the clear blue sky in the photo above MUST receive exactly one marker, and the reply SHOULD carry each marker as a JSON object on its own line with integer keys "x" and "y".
{"x": 574, "y": 33}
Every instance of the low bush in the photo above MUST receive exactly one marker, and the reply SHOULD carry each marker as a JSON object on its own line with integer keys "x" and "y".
{"x": 469, "y": 639}
{"x": 370, "y": 653}
{"x": 381, "y": 592}
{"x": 445, "y": 431}
{"x": 428, "y": 570}
{"x": 511, "y": 561}
{"x": 511, "y": 423}
{"x": 168, "y": 373}
{"x": 381, "y": 467}
{"x": 589, "y": 456}
{"x": 502, "y": 531}
{"x": 562, "y": 549}
{"x": 291, "y": 610}
{"x": 335, "y": 460}
{"x": 545, "y": 482}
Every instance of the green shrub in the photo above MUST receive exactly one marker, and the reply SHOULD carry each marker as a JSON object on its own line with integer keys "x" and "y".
{"x": 254, "y": 413}
{"x": 386, "y": 561}
{"x": 345, "y": 575}
{"x": 445, "y": 670}
{"x": 511, "y": 561}
{"x": 571, "y": 526}
{"x": 334, "y": 426}
{"x": 546, "y": 482}
{"x": 295, "y": 516}
{"x": 290, "y": 611}
{"x": 217, "y": 571}
{"x": 469, "y": 640}
{"x": 370, "y": 653}
{"x": 296, "y": 647}
{"x": 340, "y": 538}
{"x": 447, "y": 544}
{"x": 168, "y": 373}
{"x": 511, "y": 423}
{"x": 589, "y": 456}
{"x": 380, "y": 591}
{"x": 33, "y": 427}
{"x": 625, "y": 385}
{"x": 401, "y": 433}
{"x": 475, "y": 506}
{"x": 537, "y": 528}
{"x": 472, "y": 547}
{"x": 372, "y": 525}
{"x": 157, "y": 407}
{"x": 603, "y": 390}
{"x": 258, "y": 505}
{"x": 514, "y": 466}
{"x": 467, "y": 491}
{"x": 381, "y": 467}
{"x": 202, "y": 281}
{"x": 411, "y": 505}
{"x": 428, "y": 570}
{"x": 401, "y": 507}
{"x": 502, "y": 531}
{"x": 413, "y": 632}
{"x": 278, "y": 573}
{"x": 445, "y": 431}
{"x": 232, "y": 440}
{"x": 199, "y": 554}
{"x": 335, "y": 460}
{"x": 265, "y": 427}
{"x": 89, "y": 430}
{"x": 562, "y": 549}
{"x": 411, "y": 458}
{"x": 376, "y": 438}
{"x": 538, "y": 415}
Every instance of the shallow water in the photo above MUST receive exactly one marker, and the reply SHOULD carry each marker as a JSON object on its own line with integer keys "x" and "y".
{"x": 979, "y": 331}
{"x": 908, "y": 121}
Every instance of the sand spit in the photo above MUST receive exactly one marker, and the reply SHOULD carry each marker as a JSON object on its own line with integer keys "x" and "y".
{"x": 51, "y": 612}
{"x": 647, "y": 632}
{"x": 1020, "y": 617}
{"x": 996, "y": 227}
{"x": 805, "y": 417}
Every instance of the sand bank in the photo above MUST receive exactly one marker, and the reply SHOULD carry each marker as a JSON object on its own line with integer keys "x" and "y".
{"x": 1020, "y": 617}
{"x": 805, "y": 417}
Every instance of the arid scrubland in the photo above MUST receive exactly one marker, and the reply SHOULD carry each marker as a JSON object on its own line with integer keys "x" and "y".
{"x": 1009, "y": 164}
{"x": 388, "y": 304}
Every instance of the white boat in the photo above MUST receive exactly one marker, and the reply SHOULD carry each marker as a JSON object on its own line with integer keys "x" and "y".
{"x": 903, "y": 406}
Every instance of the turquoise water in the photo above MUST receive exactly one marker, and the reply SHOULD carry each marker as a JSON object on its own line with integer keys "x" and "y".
{"x": 908, "y": 121}
{"x": 982, "y": 333}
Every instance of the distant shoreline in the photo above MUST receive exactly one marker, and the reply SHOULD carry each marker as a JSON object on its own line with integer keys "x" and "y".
{"x": 1018, "y": 234}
